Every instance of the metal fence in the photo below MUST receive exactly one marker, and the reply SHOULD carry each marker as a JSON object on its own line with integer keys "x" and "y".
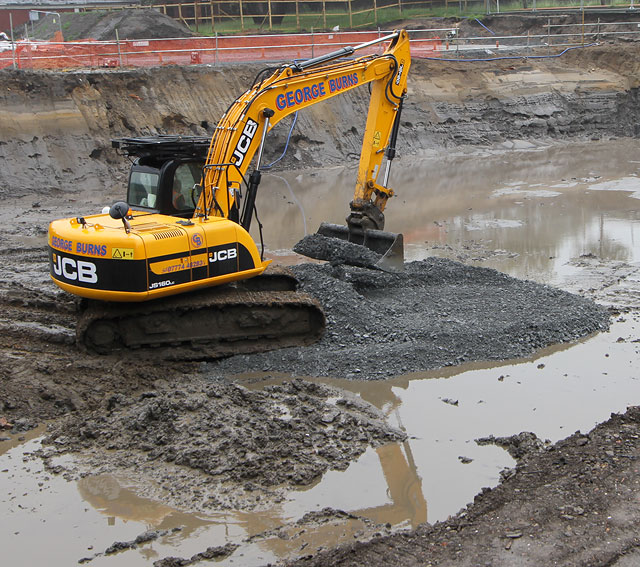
{"x": 442, "y": 43}
{"x": 201, "y": 50}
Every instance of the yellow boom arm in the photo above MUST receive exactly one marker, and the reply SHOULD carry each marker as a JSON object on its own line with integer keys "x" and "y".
{"x": 242, "y": 130}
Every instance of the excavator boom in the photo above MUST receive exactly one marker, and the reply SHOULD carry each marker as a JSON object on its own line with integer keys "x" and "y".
{"x": 242, "y": 130}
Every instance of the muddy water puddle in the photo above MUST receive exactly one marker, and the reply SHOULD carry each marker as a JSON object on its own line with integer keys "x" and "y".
{"x": 440, "y": 468}
{"x": 529, "y": 213}
{"x": 525, "y": 212}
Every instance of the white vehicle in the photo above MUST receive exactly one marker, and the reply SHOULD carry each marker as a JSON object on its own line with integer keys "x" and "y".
{"x": 5, "y": 44}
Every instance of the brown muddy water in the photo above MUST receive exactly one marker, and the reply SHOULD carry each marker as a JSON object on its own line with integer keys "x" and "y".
{"x": 529, "y": 212}
{"x": 524, "y": 212}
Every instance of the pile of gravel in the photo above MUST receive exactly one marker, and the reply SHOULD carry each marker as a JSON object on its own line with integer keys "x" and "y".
{"x": 135, "y": 23}
{"x": 436, "y": 313}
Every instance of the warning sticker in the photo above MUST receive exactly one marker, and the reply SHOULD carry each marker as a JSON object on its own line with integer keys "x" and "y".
{"x": 376, "y": 139}
{"x": 122, "y": 253}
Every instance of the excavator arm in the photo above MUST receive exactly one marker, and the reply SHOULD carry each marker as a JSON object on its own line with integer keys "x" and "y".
{"x": 242, "y": 130}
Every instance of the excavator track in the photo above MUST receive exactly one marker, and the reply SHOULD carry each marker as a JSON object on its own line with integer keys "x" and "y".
{"x": 257, "y": 315}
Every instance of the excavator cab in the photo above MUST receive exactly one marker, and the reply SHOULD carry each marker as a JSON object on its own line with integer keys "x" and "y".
{"x": 166, "y": 173}
{"x": 165, "y": 186}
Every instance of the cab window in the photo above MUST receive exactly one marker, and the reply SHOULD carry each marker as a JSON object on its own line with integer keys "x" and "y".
{"x": 186, "y": 176}
{"x": 143, "y": 189}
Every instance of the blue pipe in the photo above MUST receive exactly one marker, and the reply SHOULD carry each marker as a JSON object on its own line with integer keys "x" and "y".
{"x": 286, "y": 147}
{"x": 485, "y": 27}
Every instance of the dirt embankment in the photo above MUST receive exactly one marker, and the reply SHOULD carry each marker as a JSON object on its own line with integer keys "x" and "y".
{"x": 63, "y": 122}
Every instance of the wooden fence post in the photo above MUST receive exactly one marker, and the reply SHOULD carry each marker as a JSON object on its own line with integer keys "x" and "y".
{"x": 270, "y": 25}
{"x": 350, "y": 16}
{"x": 297, "y": 17}
{"x": 241, "y": 17}
{"x": 324, "y": 15}
{"x": 375, "y": 12}
{"x": 213, "y": 27}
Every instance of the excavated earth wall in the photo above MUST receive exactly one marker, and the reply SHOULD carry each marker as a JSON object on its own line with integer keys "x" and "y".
{"x": 55, "y": 128}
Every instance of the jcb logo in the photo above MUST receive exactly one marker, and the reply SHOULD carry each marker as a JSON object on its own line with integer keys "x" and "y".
{"x": 75, "y": 270}
{"x": 220, "y": 255}
{"x": 245, "y": 141}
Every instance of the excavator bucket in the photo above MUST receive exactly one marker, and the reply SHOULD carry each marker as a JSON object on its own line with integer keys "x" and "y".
{"x": 388, "y": 244}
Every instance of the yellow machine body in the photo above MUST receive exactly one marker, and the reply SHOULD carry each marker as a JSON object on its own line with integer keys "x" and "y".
{"x": 160, "y": 256}
{"x": 166, "y": 249}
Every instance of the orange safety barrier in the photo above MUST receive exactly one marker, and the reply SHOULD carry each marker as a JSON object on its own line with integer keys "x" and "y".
{"x": 195, "y": 50}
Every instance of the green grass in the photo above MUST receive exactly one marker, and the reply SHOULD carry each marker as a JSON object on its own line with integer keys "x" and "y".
{"x": 316, "y": 21}
{"x": 542, "y": 4}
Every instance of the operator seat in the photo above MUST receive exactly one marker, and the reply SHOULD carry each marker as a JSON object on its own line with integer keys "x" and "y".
{"x": 138, "y": 195}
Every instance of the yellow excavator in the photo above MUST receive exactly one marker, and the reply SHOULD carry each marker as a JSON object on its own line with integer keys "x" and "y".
{"x": 185, "y": 224}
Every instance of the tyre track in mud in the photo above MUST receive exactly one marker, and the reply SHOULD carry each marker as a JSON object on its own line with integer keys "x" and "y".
{"x": 30, "y": 309}
{"x": 46, "y": 374}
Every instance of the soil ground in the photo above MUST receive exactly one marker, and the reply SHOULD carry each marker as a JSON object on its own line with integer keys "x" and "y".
{"x": 574, "y": 503}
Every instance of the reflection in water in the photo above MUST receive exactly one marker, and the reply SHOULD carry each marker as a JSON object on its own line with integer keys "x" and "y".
{"x": 271, "y": 528}
{"x": 404, "y": 504}
{"x": 106, "y": 494}
{"x": 405, "y": 488}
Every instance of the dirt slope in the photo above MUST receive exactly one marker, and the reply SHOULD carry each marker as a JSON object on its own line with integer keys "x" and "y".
{"x": 139, "y": 23}
{"x": 63, "y": 122}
